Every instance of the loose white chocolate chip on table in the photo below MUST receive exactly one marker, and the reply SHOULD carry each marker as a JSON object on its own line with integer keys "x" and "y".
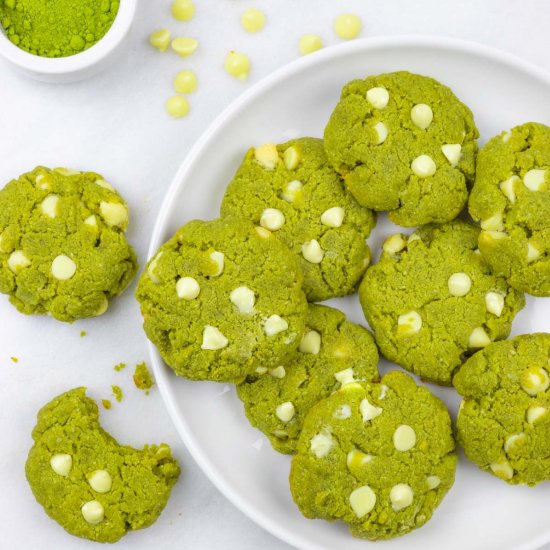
{"x": 343, "y": 412}
{"x": 409, "y": 323}
{"x": 151, "y": 269}
{"x": 177, "y": 106}
{"x": 478, "y": 338}
{"x": 291, "y": 158}
{"x": 512, "y": 440}
{"x": 213, "y": 339}
{"x": 285, "y": 411}
{"x": 357, "y": 458}
{"x": 278, "y": 372}
{"x": 114, "y": 213}
{"x": 321, "y": 444}
{"x": 61, "y": 464}
{"x": 49, "y": 206}
{"x": 404, "y": 438}
{"x": 459, "y": 284}
{"x": 219, "y": 259}
{"x": 378, "y": 97}
{"x": 369, "y": 411}
{"x": 502, "y": 470}
{"x": 494, "y": 223}
{"x": 63, "y": 268}
{"x": 244, "y": 298}
{"x": 291, "y": 190}
{"x": 394, "y": 244}
{"x": 272, "y": 219}
{"x": 345, "y": 377}
{"x": 187, "y": 288}
{"x": 263, "y": 232}
{"x": 313, "y": 252}
{"x": 452, "y": 152}
{"x": 183, "y": 10}
{"x": 237, "y": 65}
{"x": 508, "y": 187}
{"x": 274, "y": 324}
{"x": 310, "y": 343}
{"x": 494, "y": 302}
{"x": 381, "y": 132}
{"x": 100, "y": 481}
{"x": 534, "y": 380}
{"x": 362, "y": 501}
{"x": 309, "y": 43}
{"x": 18, "y": 261}
{"x": 422, "y": 115}
{"x": 184, "y": 45}
{"x": 252, "y": 20}
{"x": 93, "y": 512}
{"x": 401, "y": 496}
{"x": 433, "y": 482}
{"x": 534, "y": 413}
{"x": 532, "y": 253}
{"x": 267, "y": 155}
{"x": 333, "y": 217}
{"x": 534, "y": 179}
{"x": 423, "y": 166}
{"x": 185, "y": 82}
{"x": 347, "y": 26}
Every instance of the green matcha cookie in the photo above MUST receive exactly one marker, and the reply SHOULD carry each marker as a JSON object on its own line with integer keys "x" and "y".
{"x": 332, "y": 352}
{"x": 503, "y": 423}
{"x": 62, "y": 246}
{"x": 292, "y": 190}
{"x": 511, "y": 197}
{"x": 404, "y": 143}
{"x": 88, "y": 483}
{"x": 379, "y": 457}
{"x": 222, "y": 298}
{"x": 432, "y": 300}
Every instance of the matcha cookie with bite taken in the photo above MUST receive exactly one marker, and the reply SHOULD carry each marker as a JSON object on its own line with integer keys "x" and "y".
{"x": 222, "y": 298}
{"x": 63, "y": 249}
{"x": 511, "y": 199}
{"x": 406, "y": 144}
{"x": 379, "y": 457}
{"x": 292, "y": 190}
{"x": 432, "y": 300}
{"x": 333, "y": 352}
{"x": 88, "y": 483}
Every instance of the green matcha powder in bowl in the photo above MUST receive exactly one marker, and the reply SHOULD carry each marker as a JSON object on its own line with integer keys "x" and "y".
{"x": 63, "y": 40}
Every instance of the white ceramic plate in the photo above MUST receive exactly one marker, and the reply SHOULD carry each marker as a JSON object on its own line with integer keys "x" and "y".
{"x": 480, "y": 512}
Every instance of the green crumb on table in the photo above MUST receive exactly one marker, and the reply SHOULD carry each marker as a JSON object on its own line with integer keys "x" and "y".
{"x": 82, "y": 333}
{"x": 14, "y": 359}
{"x": 119, "y": 367}
{"x": 117, "y": 392}
{"x": 142, "y": 377}
{"x": 106, "y": 403}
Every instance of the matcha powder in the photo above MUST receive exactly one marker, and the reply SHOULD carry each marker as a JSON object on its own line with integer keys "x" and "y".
{"x": 56, "y": 28}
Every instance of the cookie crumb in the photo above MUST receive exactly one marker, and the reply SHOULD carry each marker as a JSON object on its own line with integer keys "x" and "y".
{"x": 142, "y": 377}
{"x": 14, "y": 359}
{"x": 117, "y": 392}
{"x": 82, "y": 333}
{"x": 106, "y": 403}
{"x": 119, "y": 367}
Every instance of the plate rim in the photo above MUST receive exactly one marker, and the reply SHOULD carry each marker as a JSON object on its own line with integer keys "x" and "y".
{"x": 160, "y": 370}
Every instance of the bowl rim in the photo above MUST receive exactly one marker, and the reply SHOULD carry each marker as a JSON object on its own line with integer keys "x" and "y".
{"x": 77, "y": 62}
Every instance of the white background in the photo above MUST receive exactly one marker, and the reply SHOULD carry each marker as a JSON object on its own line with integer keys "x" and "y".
{"x": 115, "y": 124}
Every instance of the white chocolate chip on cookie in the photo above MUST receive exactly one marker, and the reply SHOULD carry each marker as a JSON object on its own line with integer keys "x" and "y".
{"x": 291, "y": 190}
{"x": 394, "y": 244}
{"x": 151, "y": 269}
{"x": 512, "y": 440}
{"x": 187, "y": 288}
{"x": 534, "y": 179}
{"x": 312, "y": 251}
{"x": 433, "y": 482}
{"x": 494, "y": 223}
{"x": 244, "y": 298}
{"x": 422, "y": 115}
{"x": 362, "y": 500}
{"x": 423, "y": 166}
{"x": 49, "y": 206}
{"x": 267, "y": 155}
{"x": 404, "y": 438}
{"x": 532, "y": 253}
{"x": 321, "y": 444}
{"x": 291, "y": 158}
{"x": 63, "y": 268}
{"x": 478, "y": 338}
{"x": 509, "y": 186}
{"x": 494, "y": 302}
{"x": 378, "y": 97}
{"x": 409, "y": 323}
{"x": 534, "y": 380}
{"x": 100, "y": 481}
{"x": 272, "y": 219}
{"x": 285, "y": 411}
{"x": 357, "y": 458}
{"x": 278, "y": 372}
{"x": 274, "y": 324}
{"x": 534, "y": 413}
{"x": 213, "y": 339}
{"x": 219, "y": 259}
{"x": 18, "y": 261}
{"x": 61, "y": 464}
{"x": 333, "y": 217}
{"x": 93, "y": 512}
{"x": 345, "y": 377}
{"x": 369, "y": 411}
{"x": 114, "y": 213}
{"x": 343, "y": 412}
{"x": 381, "y": 131}
{"x": 502, "y": 470}
{"x": 401, "y": 496}
{"x": 452, "y": 152}
{"x": 459, "y": 284}
{"x": 310, "y": 343}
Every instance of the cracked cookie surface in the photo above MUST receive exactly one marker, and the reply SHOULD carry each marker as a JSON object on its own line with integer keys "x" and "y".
{"x": 292, "y": 190}
{"x": 432, "y": 300}
{"x": 333, "y": 352}
{"x": 511, "y": 198}
{"x": 404, "y": 143}
{"x": 88, "y": 483}
{"x": 382, "y": 468}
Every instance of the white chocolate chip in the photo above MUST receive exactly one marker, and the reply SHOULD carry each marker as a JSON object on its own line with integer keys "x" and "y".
{"x": 291, "y": 158}
{"x": 243, "y": 298}
{"x": 489, "y": 236}
{"x": 378, "y": 97}
{"x": 103, "y": 307}
{"x": 42, "y": 181}
{"x": 494, "y": 223}
{"x": 423, "y": 166}
{"x": 506, "y": 137}
{"x": 404, "y": 438}
{"x": 394, "y": 244}
{"x": 267, "y": 155}
{"x": 333, "y": 217}
{"x": 114, "y": 213}
{"x": 187, "y": 288}
{"x": 409, "y": 323}
{"x": 369, "y": 411}
{"x": 312, "y": 251}
{"x": 433, "y": 482}
{"x": 534, "y": 413}
{"x": 321, "y": 444}
{"x": 261, "y": 370}
{"x": 272, "y": 219}
{"x": 310, "y": 343}
{"x": 381, "y": 132}
{"x": 61, "y": 464}
{"x": 534, "y": 179}
{"x": 422, "y": 115}
{"x": 512, "y": 440}
{"x": 362, "y": 501}
{"x": 459, "y": 284}
{"x": 357, "y": 459}
{"x": 278, "y": 372}
{"x": 100, "y": 481}
{"x": 532, "y": 253}
{"x": 281, "y": 434}
{"x": 285, "y": 411}
{"x": 263, "y": 232}
{"x": 93, "y": 512}
{"x": 66, "y": 171}
{"x": 91, "y": 221}
{"x": 49, "y": 206}
{"x": 63, "y": 268}
{"x": 534, "y": 380}
{"x": 452, "y": 152}
{"x": 494, "y": 302}
{"x": 105, "y": 185}
{"x": 414, "y": 237}
{"x": 213, "y": 339}
{"x": 345, "y": 377}
{"x": 291, "y": 190}
{"x": 478, "y": 338}
{"x": 18, "y": 261}
{"x": 151, "y": 269}
{"x": 219, "y": 259}
{"x": 508, "y": 187}
{"x": 274, "y": 324}
{"x": 343, "y": 412}
{"x": 502, "y": 470}
{"x": 401, "y": 496}
{"x": 383, "y": 390}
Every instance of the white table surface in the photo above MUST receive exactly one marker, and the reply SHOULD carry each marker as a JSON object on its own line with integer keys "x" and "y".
{"x": 115, "y": 124}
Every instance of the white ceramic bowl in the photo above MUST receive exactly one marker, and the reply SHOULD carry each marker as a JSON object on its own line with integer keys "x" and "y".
{"x": 78, "y": 66}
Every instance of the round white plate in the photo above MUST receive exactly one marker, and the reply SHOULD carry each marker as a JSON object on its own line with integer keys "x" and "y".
{"x": 480, "y": 512}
